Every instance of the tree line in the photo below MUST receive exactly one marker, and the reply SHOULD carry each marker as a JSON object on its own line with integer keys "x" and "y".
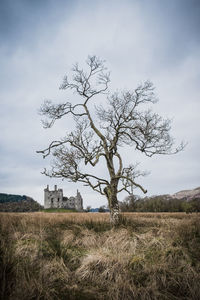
{"x": 159, "y": 204}
{"x": 11, "y": 198}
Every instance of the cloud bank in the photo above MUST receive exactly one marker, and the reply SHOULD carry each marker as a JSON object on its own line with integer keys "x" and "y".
{"x": 39, "y": 42}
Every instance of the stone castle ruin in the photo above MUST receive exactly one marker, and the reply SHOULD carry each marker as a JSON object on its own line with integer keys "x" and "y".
{"x": 55, "y": 199}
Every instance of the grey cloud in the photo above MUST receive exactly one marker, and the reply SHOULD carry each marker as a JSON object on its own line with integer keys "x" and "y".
{"x": 21, "y": 21}
{"x": 140, "y": 40}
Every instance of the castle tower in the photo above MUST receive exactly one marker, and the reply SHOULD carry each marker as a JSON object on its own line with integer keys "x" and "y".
{"x": 53, "y": 199}
{"x": 78, "y": 201}
{"x": 46, "y": 197}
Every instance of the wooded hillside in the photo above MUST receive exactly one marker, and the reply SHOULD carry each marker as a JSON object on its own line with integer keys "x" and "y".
{"x": 18, "y": 203}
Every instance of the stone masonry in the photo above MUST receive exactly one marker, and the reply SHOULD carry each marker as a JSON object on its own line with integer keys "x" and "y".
{"x": 55, "y": 199}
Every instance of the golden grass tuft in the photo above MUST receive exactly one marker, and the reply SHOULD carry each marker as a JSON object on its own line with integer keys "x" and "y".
{"x": 79, "y": 256}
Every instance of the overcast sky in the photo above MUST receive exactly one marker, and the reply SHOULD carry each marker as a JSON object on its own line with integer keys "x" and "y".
{"x": 139, "y": 39}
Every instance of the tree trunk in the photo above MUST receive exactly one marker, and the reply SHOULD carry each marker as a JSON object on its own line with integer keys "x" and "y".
{"x": 111, "y": 193}
{"x": 114, "y": 211}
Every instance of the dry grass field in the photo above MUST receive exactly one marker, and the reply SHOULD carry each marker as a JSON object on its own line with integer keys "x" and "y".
{"x": 79, "y": 256}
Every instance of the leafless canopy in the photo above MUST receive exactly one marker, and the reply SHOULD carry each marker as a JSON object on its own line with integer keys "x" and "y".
{"x": 99, "y": 135}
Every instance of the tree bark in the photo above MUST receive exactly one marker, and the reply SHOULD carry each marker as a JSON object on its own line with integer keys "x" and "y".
{"x": 111, "y": 194}
{"x": 114, "y": 211}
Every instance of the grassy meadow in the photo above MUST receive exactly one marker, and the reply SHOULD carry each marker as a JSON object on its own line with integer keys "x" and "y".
{"x": 79, "y": 256}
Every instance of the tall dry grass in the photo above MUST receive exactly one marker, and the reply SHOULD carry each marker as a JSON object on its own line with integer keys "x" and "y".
{"x": 79, "y": 256}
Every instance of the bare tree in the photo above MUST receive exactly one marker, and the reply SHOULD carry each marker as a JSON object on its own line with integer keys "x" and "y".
{"x": 100, "y": 133}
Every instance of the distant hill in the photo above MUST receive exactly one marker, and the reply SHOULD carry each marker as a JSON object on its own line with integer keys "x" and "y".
{"x": 18, "y": 203}
{"x": 187, "y": 194}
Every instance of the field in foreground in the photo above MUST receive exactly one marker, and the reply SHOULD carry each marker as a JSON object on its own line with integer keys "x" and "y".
{"x": 79, "y": 256}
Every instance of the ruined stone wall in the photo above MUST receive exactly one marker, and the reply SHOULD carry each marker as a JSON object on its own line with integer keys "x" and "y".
{"x": 78, "y": 201}
{"x": 55, "y": 199}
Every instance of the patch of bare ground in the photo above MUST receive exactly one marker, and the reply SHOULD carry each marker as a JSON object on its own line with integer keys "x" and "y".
{"x": 79, "y": 256}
